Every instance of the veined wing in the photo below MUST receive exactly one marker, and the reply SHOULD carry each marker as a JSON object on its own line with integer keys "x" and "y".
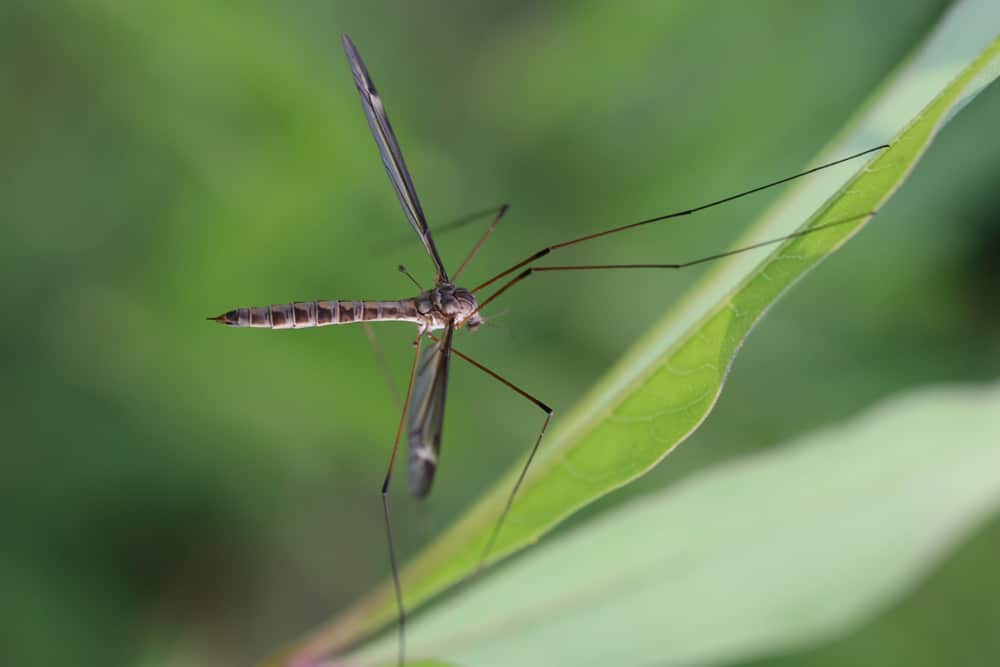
{"x": 392, "y": 157}
{"x": 426, "y": 413}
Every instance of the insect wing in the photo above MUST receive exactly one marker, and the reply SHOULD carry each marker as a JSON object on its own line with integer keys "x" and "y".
{"x": 392, "y": 157}
{"x": 426, "y": 414}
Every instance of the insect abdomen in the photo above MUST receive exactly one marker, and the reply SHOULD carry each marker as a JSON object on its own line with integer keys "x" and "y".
{"x": 304, "y": 314}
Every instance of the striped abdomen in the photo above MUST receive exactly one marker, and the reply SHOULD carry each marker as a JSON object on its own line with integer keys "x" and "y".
{"x": 299, "y": 315}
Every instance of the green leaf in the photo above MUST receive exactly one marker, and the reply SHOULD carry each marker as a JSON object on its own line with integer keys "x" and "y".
{"x": 747, "y": 558}
{"x": 665, "y": 387}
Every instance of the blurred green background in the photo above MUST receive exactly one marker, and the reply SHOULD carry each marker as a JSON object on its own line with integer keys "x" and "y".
{"x": 176, "y": 493}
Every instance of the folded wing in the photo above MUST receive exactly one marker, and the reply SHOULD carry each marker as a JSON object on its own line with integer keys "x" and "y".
{"x": 426, "y": 414}
{"x": 392, "y": 156}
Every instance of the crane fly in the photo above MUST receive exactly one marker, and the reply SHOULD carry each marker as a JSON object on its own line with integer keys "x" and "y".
{"x": 447, "y": 308}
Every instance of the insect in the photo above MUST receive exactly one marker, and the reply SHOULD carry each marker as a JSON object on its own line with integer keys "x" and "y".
{"x": 446, "y": 308}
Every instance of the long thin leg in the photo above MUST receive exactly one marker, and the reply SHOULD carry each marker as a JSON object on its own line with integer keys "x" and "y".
{"x": 679, "y": 265}
{"x": 614, "y": 230}
{"x": 482, "y": 240}
{"x": 385, "y": 512}
{"x": 383, "y": 367}
{"x": 531, "y": 455}
{"x": 469, "y": 218}
{"x": 453, "y": 225}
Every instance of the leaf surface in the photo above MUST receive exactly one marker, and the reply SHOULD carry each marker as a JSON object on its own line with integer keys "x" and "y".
{"x": 757, "y": 555}
{"x": 666, "y": 386}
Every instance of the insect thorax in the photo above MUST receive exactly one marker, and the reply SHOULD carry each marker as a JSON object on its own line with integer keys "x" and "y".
{"x": 447, "y": 303}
